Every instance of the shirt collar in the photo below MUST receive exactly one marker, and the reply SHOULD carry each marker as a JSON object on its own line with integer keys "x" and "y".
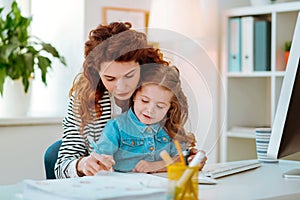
{"x": 139, "y": 125}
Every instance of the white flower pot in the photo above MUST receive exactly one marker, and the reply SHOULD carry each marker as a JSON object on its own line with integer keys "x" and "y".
{"x": 14, "y": 102}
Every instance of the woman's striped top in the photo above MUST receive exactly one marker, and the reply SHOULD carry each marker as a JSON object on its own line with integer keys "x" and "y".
{"x": 75, "y": 145}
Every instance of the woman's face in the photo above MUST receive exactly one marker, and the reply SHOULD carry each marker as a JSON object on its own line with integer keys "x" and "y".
{"x": 120, "y": 78}
{"x": 152, "y": 103}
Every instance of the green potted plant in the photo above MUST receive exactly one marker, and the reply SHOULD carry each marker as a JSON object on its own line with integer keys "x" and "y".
{"x": 20, "y": 53}
{"x": 287, "y": 48}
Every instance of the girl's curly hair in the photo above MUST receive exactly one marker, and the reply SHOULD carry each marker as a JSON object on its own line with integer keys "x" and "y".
{"x": 177, "y": 115}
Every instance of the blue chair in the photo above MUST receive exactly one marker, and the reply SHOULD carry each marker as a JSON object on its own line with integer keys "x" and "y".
{"x": 50, "y": 158}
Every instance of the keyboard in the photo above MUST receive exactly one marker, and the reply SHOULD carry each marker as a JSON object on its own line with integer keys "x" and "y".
{"x": 225, "y": 169}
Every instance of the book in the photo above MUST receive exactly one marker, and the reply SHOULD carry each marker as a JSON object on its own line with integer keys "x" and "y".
{"x": 234, "y": 45}
{"x": 247, "y": 24}
{"x": 262, "y": 45}
{"x": 105, "y": 185}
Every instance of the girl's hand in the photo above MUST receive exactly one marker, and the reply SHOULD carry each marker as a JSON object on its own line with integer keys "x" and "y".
{"x": 144, "y": 166}
{"x": 90, "y": 165}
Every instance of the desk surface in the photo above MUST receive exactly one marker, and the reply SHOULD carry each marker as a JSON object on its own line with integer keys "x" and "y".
{"x": 265, "y": 182}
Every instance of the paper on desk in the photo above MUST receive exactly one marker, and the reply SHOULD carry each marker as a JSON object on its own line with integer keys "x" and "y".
{"x": 112, "y": 185}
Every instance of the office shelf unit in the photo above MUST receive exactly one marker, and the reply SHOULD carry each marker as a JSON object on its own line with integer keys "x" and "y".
{"x": 251, "y": 97}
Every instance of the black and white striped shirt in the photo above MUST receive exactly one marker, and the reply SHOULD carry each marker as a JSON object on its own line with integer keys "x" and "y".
{"x": 75, "y": 145}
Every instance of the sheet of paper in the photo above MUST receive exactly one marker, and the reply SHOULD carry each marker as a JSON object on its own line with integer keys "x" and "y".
{"x": 106, "y": 185}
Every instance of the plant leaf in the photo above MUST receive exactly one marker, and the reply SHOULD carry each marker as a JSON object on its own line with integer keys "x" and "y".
{"x": 50, "y": 49}
{"x": 43, "y": 64}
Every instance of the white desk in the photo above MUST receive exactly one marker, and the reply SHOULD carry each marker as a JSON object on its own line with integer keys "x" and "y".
{"x": 265, "y": 182}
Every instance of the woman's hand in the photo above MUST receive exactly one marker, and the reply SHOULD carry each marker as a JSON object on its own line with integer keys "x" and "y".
{"x": 193, "y": 152}
{"x": 90, "y": 165}
{"x": 202, "y": 163}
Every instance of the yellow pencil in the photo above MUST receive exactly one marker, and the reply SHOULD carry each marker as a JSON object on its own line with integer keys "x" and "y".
{"x": 177, "y": 145}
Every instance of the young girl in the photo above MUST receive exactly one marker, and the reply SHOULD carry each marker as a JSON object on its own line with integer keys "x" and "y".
{"x": 159, "y": 111}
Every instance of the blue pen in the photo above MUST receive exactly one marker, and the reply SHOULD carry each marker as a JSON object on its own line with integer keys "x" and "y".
{"x": 94, "y": 145}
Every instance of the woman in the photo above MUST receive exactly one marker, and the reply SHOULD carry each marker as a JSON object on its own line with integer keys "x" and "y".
{"x": 111, "y": 72}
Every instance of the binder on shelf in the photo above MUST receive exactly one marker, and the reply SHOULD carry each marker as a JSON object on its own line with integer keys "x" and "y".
{"x": 262, "y": 45}
{"x": 234, "y": 45}
{"x": 247, "y": 24}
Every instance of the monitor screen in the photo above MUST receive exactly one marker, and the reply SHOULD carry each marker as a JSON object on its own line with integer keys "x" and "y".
{"x": 285, "y": 137}
{"x": 290, "y": 140}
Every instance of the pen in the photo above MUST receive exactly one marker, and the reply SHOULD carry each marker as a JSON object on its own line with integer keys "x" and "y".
{"x": 94, "y": 145}
{"x": 186, "y": 154}
{"x": 177, "y": 145}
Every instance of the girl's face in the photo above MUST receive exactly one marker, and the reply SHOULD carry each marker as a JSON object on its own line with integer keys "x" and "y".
{"x": 152, "y": 103}
{"x": 120, "y": 78}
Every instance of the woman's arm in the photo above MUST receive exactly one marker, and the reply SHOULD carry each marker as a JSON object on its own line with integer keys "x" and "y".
{"x": 73, "y": 144}
{"x": 76, "y": 146}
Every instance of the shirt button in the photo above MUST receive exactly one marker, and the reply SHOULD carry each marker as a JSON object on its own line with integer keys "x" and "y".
{"x": 164, "y": 139}
{"x": 151, "y": 148}
{"x": 148, "y": 129}
{"x": 132, "y": 143}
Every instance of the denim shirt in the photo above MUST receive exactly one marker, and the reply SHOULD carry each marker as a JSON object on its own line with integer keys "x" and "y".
{"x": 130, "y": 141}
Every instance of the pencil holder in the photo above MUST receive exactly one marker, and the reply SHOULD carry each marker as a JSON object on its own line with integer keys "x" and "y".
{"x": 182, "y": 182}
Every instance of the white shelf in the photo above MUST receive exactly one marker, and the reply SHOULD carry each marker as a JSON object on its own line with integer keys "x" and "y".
{"x": 241, "y": 135}
{"x": 252, "y": 74}
{"x": 264, "y": 9}
{"x": 279, "y": 74}
{"x": 256, "y": 74}
{"x": 28, "y": 121}
{"x": 242, "y": 132}
{"x": 251, "y": 98}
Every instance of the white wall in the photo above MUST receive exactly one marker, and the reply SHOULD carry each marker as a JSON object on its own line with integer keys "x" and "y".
{"x": 93, "y": 10}
{"x": 22, "y": 151}
{"x": 61, "y": 26}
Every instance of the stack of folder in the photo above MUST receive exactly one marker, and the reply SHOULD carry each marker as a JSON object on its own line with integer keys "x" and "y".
{"x": 249, "y": 44}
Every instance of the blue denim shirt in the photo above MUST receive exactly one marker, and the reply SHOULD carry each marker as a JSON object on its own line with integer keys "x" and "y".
{"x": 130, "y": 141}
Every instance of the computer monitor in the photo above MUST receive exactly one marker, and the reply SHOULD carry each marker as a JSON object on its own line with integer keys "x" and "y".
{"x": 285, "y": 137}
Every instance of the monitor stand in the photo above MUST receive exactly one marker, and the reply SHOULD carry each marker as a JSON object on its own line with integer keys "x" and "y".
{"x": 294, "y": 173}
